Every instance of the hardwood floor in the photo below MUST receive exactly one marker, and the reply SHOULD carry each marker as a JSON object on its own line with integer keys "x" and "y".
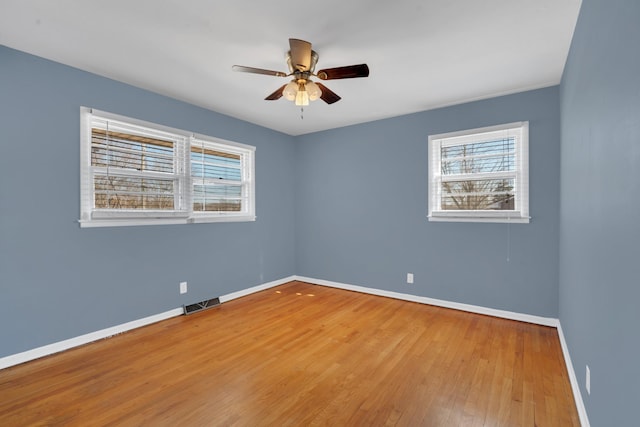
{"x": 303, "y": 355}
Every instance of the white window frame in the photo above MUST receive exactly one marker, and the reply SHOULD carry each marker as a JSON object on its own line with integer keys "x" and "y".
{"x": 520, "y": 213}
{"x": 247, "y": 181}
{"x": 183, "y": 209}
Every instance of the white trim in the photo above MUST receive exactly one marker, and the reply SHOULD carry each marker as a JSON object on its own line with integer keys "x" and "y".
{"x": 544, "y": 321}
{"x": 258, "y": 288}
{"x": 472, "y": 134}
{"x": 224, "y": 144}
{"x": 130, "y": 121}
{"x": 164, "y": 221}
{"x": 520, "y": 213}
{"x": 505, "y": 220}
{"x": 183, "y": 140}
{"x": 130, "y": 222}
{"x": 575, "y": 386}
{"x": 36, "y": 353}
{"x": 49, "y": 349}
{"x": 220, "y": 217}
{"x": 529, "y": 318}
{"x": 57, "y": 347}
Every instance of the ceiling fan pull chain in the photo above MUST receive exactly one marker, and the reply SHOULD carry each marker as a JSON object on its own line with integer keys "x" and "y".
{"x": 301, "y": 113}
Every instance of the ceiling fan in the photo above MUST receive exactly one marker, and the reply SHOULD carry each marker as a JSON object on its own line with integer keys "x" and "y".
{"x": 302, "y": 61}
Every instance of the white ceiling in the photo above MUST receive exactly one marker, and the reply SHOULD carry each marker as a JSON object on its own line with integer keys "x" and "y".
{"x": 422, "y": 54}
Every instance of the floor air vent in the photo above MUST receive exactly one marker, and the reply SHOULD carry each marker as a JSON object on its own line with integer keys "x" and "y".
{"x": 202, "y": 305}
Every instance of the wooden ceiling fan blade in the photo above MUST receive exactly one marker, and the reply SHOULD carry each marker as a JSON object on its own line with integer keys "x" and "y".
{"x": 300, "y": 51}
{"x": 328, "y": 95}
{"x": 275, "y": 95}
{"x": 348, "y": 72}
{"x": 253, "y": 70}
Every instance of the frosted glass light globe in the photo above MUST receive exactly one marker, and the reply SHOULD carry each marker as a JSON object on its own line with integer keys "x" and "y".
{"x": 290, "y": 91}
{"x": 313, "y": 90}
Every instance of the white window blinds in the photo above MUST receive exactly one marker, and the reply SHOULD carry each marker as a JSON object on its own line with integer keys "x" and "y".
{"x": 135, "y": 169}
{"x": 480, "y": 174}
{"x": 220, "y": 177}
{"x": 136, "y": 172}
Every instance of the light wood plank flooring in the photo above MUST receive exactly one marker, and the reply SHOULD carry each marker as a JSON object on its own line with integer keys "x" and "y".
{"x": 303, "y": 355}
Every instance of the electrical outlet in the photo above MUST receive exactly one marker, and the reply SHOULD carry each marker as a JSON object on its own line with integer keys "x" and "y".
{"x": 587, "y": 381}
{"x": 183, "y": 287}
{"x": 409, "y": 277}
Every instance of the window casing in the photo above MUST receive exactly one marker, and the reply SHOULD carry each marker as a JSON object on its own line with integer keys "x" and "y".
{"x": 137, "y": 173}
{"x": 480, "y": 175}
{"x": 220, "y": 184}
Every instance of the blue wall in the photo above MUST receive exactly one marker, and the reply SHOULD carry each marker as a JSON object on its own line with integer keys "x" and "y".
{"x": 361, "y": 206}
{"x": 600, "y": 228}
{"x": 58, "y": 281}
{"x": 346, "y": 205}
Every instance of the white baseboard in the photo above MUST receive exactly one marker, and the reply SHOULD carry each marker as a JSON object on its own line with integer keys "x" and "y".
{"x": 46, "y": 350}
{"x": 545, "y": 321}
{"x": 57, "y": 347}
{"x": 258, "y": 288}
{"x": 49, "y": 349}
{"x": 575, "y": 386}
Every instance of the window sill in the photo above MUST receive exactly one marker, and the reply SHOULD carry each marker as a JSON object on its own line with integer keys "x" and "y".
{"x": 221, "y": 218}
{"x": 96, "y": 223}
{"x": 492, "y": 219}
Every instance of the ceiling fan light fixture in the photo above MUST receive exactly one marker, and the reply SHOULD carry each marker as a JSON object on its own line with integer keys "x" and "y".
{"x": 290, "y": 91}
{"x": 302, "y": 97}
{"x": 301, "y": 61}
{"x": 313, "y": 90}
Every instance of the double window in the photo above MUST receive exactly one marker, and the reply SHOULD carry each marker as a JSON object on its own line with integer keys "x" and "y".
{"x": 480, "y": 175}
{"x": 135, "y": 173}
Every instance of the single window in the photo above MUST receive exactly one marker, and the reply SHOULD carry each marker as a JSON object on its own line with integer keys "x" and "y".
{"x": 480, "y": 175}
{"x": 135, "y": 173}
{"x": 221, "y": 182}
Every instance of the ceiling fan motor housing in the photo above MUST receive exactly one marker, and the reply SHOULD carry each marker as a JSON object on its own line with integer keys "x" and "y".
{"x": 301, "y": 67}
